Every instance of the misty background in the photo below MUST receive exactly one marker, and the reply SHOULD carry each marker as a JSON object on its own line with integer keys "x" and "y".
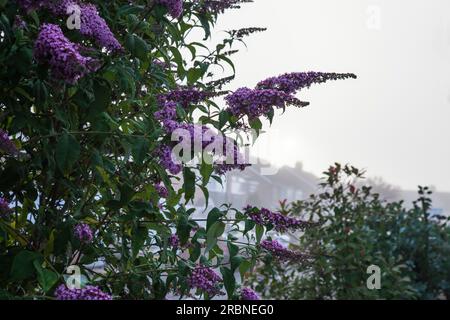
{"x": 391, "y": 121}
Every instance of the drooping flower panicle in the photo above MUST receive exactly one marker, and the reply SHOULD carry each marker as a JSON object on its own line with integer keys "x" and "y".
{"x": 279, "y": 221}
{"x": 258, "y": 102}
{"x": 292, "y": 82}
{"x": 281, "y": 253}
{"x": 62, "y": 56}
{"x": 276, "y": 92}
{"x": 94, "y": 26}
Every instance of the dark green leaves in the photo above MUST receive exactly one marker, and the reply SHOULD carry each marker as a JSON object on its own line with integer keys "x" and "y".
{"x": 189, "y": 184}
{"x": 23, "y": 265}
{"x": 139, "y": 149}
{"x": 213, "y": 233}
{"x": 102, "y": 97}
{"x": 67, "y": 152}
{"x": 229, "y": 281}
{"x": 46, "y": 278}
{"x": 137, "y": 46}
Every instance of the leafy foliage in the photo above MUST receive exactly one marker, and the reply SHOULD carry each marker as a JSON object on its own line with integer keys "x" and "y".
{"x": 359, "y": 229}
{"x": 90, "y": 147}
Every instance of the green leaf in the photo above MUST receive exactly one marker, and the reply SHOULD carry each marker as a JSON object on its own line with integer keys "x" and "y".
{"x": 189, "y": 184}
{"x": 232, "y": 249}
{"x": 216, "y": 230}
{"x": 259, "y": 233}
{"x": 102, "y": 97}
{"x": 137, "y": 46}
{"x": 229, "y": 281}
{"x": 213, "y": 216}
{"x": 183, "y": 229}
{"x": 46, "y": 278}
{"x": 244, "y": 267}
{"x": 67, "y": 152}
{"x": 140, "y": 234}
{"x": 194, "y": 74}
{"x": 256, "y": 124}
{"x": 140, "y": 148}
{"x": 224, "y": 117}
{"x": 22, "y": 267}
{"x": 236, "y": 262}
{"x": 206, "y": 170}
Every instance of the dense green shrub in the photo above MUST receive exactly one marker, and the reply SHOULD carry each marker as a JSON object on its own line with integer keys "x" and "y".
{"x": 359, "y": 229}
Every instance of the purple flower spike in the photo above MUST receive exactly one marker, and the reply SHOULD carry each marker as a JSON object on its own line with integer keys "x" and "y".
{"x": 64, "y": 60}
{"x": 94, "y": 26}
{"x": 292, "y": 82}
{"x": 258, "y": 102}
{"x": 84, "y": 233}
{"x": 281, "y": 253}
{"x": 280, "y": 222}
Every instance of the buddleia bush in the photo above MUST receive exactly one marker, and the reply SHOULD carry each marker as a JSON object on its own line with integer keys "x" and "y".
{"x": 92, "y": 94}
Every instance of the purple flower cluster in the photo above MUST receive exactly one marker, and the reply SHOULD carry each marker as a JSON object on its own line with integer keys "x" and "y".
{"x": 4, "y": 207}
{"x": 174, "y": 7}
{"x": 94, "y": 26}
{"x": 276, "y": 92}
{"x": 258, "y": 102}
{"x": 168, "y": 160}
{"x": 83, "y": 233}
{"x": 205, "y": 279}
{"x": 167, "y": 111}
{"x": 190, "y": 135}
{"x": 281, "y": 253}
{"x": 198, "y": 138}
{"x": 86, "y": 293}
{"x": 65, "y": 61}
{"x": 185, "y": 96}
{"x": 6, "y": 144}
{"x": 280, "y": 222}
{"x": 58, "y": 7}
{"x": 232, "y": 158}
{"x": 162, "y": 190}
{"x": 290, "y": 83}
{"x": 249, "y": 294}
{"x": 174, "y": 241}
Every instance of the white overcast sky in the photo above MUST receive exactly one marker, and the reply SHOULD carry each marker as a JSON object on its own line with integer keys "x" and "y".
{"x": 393, "y": 121}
